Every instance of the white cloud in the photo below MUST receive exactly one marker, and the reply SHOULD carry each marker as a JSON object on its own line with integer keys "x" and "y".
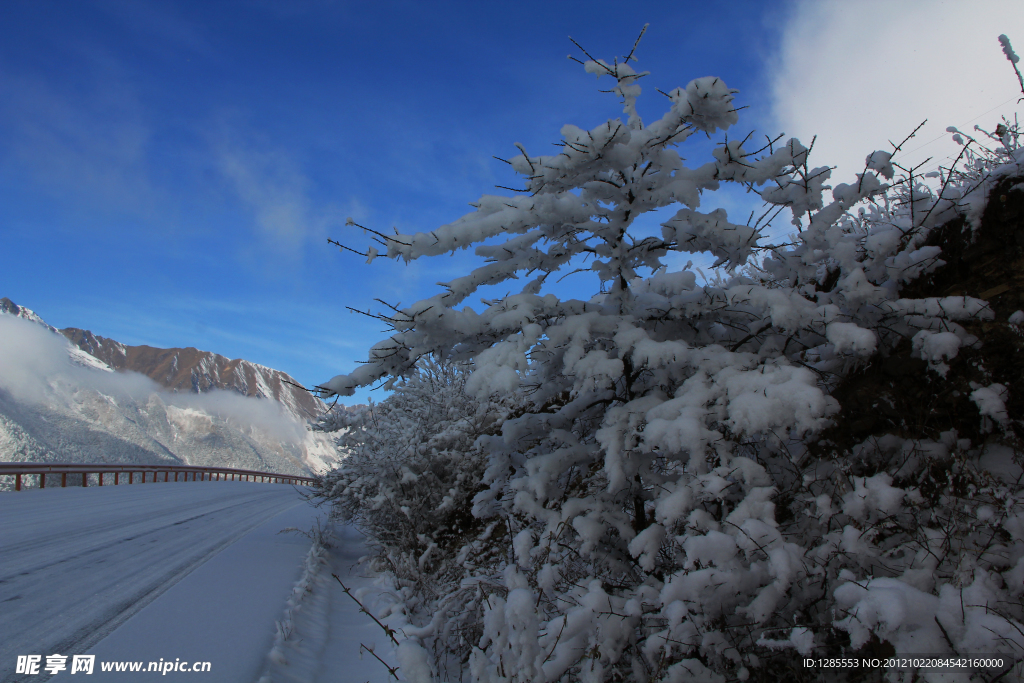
{"x": 858, "y": 74}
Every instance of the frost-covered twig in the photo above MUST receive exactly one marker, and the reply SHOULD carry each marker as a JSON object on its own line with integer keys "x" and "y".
{"x": 1012, "y": 57}
{"x": 362, "y": 608}
{"x": 393, "y": 670}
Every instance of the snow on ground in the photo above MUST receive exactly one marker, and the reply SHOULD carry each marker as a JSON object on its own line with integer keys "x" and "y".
{"x": 328, "y": 629}
{"x": 196, "y": 572}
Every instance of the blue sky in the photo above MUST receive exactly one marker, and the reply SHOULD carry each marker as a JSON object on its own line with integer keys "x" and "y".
{"x": 170, "y": 171}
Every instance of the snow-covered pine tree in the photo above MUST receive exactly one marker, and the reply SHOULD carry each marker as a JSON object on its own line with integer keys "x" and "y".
{"x": 665, "y": 516}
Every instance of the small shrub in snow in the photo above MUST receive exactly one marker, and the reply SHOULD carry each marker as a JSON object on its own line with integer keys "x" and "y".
{"x": 410, "y": 476}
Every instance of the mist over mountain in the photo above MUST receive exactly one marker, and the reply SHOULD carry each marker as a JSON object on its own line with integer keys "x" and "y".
{"x": 71, "y": 396}
{"x": 187, "y": 369}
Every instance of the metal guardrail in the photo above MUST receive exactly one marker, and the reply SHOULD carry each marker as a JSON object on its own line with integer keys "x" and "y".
{"x": 40, "y": 470}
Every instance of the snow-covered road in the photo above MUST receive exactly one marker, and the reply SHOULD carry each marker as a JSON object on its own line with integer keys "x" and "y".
{"x": 77, "y": 563}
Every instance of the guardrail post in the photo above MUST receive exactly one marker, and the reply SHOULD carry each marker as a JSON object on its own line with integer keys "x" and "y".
{"x": 63, "y": 479}
{"x": 101, "y": 478}
{"x": 17, "y": 482}
{"x": 116, "y": 477}
{"x": 85, "y": 479}
{"x": 42, "y": 480}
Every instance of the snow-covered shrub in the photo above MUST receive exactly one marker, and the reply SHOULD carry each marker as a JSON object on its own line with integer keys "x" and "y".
{"x": 411, "y": 472}
{"x": 668, "y": 509}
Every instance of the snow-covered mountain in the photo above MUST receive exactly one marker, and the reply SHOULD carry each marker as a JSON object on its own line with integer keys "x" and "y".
{"x": 188, "y": 369}
{"x": 69, "y": 395}
{"x": 78, "y": 356}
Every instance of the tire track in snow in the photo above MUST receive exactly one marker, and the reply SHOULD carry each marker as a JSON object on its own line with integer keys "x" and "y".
{"x": 77, "y": 563}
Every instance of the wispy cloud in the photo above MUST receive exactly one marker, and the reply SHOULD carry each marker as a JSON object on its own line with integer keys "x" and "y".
{"x": 160, "y": 27}
{"x": 272, "y": 187}
{"x": 269, "y": 182}
{"x": 87, "y": 146}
